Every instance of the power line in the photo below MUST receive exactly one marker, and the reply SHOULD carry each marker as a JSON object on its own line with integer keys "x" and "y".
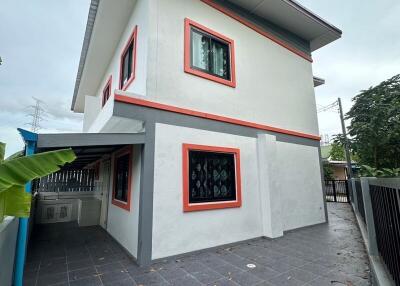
{"x": 37, "y": 113}
{"x": 332, "y": 106}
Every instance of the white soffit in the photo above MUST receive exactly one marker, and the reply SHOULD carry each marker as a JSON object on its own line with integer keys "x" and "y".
{"x": 295, "y": 18}
{"x": 109, "y": 24}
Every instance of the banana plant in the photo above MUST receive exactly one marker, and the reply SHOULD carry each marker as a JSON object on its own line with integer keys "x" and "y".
{"x": 15, "y": 172}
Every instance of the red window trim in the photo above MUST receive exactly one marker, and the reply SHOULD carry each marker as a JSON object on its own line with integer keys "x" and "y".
{"x": 124, "y": 205}
{"x": 133, "y": 38}
{"x": 187, "y": 66}
{"x": 108, "y": 84}
{"x": 258, "y": 30}
{"x": 188, "y": 207}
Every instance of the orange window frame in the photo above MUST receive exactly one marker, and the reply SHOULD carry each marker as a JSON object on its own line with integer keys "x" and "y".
{"x": 189, "y": 207}
{"x": 124, "y": 205}
{"x": 187, "y": 54}
{"x": 131, "y": 78}
{"x": 105, "y": 96}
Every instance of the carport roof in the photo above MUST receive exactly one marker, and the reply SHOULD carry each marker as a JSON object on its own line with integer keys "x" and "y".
{"x": 88, "y": 147}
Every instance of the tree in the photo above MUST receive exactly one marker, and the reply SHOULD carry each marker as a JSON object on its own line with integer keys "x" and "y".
{"x": 337, "y": 152}
{"x": 375, "y": 125}
{"x": 16, "y": 172}
{"x": 328, "y": 171}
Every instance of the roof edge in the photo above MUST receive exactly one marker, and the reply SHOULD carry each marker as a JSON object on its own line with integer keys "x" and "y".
{"x": 296, "y": 5}
{"x": 94, "y": 4}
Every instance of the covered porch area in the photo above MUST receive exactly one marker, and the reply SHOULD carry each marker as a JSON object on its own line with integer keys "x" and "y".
{"x": 74, "y": 221}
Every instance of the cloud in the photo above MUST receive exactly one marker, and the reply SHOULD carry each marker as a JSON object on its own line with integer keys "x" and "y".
{"x": 367, "y": 53}
{"x": 40, "y": 47}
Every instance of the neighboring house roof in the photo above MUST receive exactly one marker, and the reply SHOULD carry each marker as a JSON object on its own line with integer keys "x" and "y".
{"x": 318, "y": 81}
{"x": 287, "y": 14}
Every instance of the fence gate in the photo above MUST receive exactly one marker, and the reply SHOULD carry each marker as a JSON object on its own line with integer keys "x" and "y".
{"x": 337, "y": 191}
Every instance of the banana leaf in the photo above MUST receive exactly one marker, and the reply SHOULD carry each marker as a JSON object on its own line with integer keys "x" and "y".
{"x": 2, "y": 151}
{"x": 24, "y": 169}
{"x": 15, "y": 173}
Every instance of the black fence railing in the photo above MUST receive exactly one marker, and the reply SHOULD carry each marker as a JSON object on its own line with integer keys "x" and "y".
{"x": 337, "y": 191}
{"x": 386, "y": 212}
{"x": 360, "y": 200}
{"x": 66, "y": 181}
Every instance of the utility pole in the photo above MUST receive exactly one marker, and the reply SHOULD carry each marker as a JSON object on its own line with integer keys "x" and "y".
{"x": 346, "y": 142}
{"x": 37, "y": 115}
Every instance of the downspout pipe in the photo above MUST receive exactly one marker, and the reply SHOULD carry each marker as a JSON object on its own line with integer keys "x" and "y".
{"x": 30, "y": 140}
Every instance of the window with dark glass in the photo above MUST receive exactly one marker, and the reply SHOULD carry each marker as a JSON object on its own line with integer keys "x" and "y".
{"x": 127, "y": 64}
{"x": 121, "y": 178}
{"x": 209, "y": 54}
{"x": 212, "y": 177}
{"x": 106, "y": 93}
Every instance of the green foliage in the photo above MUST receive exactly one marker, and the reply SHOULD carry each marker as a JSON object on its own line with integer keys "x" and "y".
{"x": 328, "y": 171}
{"x": 337, "y": 152}
{"x": 368, "y": 171}
{"x": 375, "y": 125}
{"x": 15, "y": 173}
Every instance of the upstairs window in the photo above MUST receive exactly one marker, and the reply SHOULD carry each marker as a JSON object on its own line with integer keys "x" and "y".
{"x": 122, "y": 178}
{"x": 209, "y": 54}
{"x": 211, "y": 177}
{"x": 106, "y": 91}
{"x": 128, "y": 62}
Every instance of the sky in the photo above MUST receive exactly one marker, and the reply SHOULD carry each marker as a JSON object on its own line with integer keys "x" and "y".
{"x": 41, "y": 40}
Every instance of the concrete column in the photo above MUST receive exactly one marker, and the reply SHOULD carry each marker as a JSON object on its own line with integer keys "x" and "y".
{"x": 355, "y": 195}
{"x": 369, "y": 217}
{"x": 353, "y": 191}
{"x": 270, "y": 197}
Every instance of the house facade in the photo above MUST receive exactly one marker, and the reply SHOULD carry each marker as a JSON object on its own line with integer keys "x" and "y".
{"x": 223, "y": 94}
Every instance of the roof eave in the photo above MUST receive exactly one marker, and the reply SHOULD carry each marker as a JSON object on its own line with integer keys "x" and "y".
{"x": 94, "y": 4}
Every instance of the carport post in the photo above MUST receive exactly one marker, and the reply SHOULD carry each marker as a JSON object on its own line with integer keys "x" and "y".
{"x": 20, "y": 251}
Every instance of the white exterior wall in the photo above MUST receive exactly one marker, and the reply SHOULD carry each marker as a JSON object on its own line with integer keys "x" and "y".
{"x": 274, "y": 86}
{"x": 282, "y": 191}
{"x": 299, "y": 176}
{"x": 123, "y": 225}
{"x": 138, "y": 86}
{"x": 177, "y": 232}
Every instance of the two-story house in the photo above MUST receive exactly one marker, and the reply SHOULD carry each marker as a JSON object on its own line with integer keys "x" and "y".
{"x": 223, "y": 94}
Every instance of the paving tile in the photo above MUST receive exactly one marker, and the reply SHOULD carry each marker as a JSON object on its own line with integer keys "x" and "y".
{"x": 82, "y": 273}
{"x": 207, "y": 276}
{"x": 223, "y": 282}
{"x": 264, "y": 273}
{"x": 316, "y": 268}
{"x": 315, "y": 255}
{"x": 90, "y": 281}
{"x": 285, "y": 280}
{"x": 186, "y": 280}
{"x": 245, "y": 278}
{"x": 124, "y": 282}
{"x": 149, "y": 279}
{"x": 172, "y": 273}
{"x": 79, "y": 264}
{"x": 115, "y": 275}
{"x": 227, "y": 269}
{"x": 110, "y": 267}
{"x": 49, "y": 279}
{"x": 302, "y": 275}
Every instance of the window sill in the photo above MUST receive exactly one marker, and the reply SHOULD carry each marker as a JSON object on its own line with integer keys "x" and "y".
{"x": 209, "y": 77}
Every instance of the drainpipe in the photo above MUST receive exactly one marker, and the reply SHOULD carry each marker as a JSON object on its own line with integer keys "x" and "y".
{"x": 30, "y": 140}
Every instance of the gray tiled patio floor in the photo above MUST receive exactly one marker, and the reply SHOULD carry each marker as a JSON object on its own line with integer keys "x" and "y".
{"x": 330, "y": 254}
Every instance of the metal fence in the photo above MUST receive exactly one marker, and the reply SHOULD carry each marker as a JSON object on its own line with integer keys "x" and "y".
{"x": 337, "y": 191}
{"x": 66, "y": 181}
{"x": 386, "y": 212}
{"x": 360, "y": 201}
